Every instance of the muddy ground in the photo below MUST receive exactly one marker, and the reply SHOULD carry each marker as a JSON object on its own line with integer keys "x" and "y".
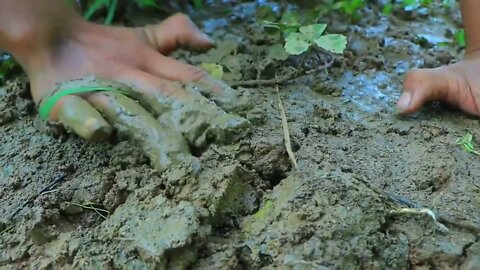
{"x": 358, "y": 165}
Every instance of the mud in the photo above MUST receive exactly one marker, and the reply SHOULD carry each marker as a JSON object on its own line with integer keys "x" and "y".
{"x": 73, "y": 204}
{"x": 80, "y": 117}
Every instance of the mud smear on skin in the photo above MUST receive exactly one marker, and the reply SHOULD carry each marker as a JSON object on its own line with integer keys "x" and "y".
{"x": 245, "y": 208}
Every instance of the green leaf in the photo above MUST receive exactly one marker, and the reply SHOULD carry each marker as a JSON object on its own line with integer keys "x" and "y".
{"x": 296, "y": 44}
{"x": 460, "y": 38}
{"x": 147, "y": 4}
{"x": 290, "y": 18}
{"x": 277, "y": 52}
{"x": 387, "y": 9}
{"x": 198, "y": 4}
{"x": 313, "y": 31}
{"x": 409, "y": 5}
{"x": 216, "y": 71}
{"x": 94, "y": 7}
{"x": 335, "y": 43}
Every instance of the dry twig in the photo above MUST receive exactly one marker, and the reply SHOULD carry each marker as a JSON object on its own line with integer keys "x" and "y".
{"x": 286, "y": 133}
{"x": 284, "y": 79}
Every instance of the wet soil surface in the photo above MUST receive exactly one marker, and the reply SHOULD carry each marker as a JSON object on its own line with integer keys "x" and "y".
{"x": 73, "y": 204}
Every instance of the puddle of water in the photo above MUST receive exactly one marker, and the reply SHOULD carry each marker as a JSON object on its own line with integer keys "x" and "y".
{"x": 370, "y": 92}
{"x": 434, "y": 32}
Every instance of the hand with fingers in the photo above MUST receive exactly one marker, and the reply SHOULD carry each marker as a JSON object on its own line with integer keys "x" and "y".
{"x": 457, "y": 84}
{"x": 94, "y": 78}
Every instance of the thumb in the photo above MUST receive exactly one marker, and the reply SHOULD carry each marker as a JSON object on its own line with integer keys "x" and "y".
{"x": 421, "y": 86}
{"x": 178, "y": 31}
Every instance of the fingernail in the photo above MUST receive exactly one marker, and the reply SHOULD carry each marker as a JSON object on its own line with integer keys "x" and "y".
{"x": 404, "y": 101}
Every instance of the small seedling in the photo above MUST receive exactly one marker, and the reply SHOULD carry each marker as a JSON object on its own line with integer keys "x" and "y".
{"x": 299, "y": 39}
{"x": 466, "y": 143}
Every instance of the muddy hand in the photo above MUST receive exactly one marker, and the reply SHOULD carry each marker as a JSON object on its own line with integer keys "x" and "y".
{"x": 457, "y": 84}
{"x": 179, "y": 94}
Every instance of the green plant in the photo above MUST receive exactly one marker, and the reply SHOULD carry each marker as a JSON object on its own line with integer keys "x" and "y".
{"x": 351, "y": 7}
{"x": 8, "y": 66}
{"x": 93, "y": 6}
{"x": 388, "y": 9}
{"x": 198, "y": 4}
{"x": 466, "y": 142}
{"x": 459, "y": 38}
{"x": 410, "y": 5}
{"x": 299, "y": 39}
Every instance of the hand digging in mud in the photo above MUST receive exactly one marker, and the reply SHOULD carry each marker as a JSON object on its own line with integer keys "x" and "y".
{"x": 62, "y": 53}
{"x": 457, "y": 84}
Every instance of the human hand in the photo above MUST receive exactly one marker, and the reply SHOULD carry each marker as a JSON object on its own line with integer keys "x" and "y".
{"x": 121, "y": 78}
{"x": 457, "y": 84}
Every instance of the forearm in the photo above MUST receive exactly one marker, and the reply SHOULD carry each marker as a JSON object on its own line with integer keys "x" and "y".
{"x": 26, "y": 24}
{"x": 471, "y": 21}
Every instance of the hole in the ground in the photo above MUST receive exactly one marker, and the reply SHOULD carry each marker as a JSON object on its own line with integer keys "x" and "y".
{"x": 276, "y": 178}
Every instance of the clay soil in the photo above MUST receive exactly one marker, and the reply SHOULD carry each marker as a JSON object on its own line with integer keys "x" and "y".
{"x": 70, "y": 204}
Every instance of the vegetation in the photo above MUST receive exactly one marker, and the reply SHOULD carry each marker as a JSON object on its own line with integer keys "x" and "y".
{"x": 8, "y": 67}
{"x": 466, "y": 142}
{"x": 300, "y": 35}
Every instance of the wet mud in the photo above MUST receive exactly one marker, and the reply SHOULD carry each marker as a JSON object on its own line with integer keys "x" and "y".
{"x": 68, "y": 203}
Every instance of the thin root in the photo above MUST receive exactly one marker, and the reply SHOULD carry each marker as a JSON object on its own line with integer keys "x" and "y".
{"x": 422, "y": 211}
{"x": 7, "y": 229}
{"x": 89, "y": 206}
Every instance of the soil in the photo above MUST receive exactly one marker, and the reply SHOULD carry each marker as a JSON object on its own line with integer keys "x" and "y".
{"x": 67, "y": 203}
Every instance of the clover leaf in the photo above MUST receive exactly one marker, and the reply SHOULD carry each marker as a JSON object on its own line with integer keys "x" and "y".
{"x": 296, "y": 43}
{"x": 313, "y": 31}
{"x": 335, "y": 43}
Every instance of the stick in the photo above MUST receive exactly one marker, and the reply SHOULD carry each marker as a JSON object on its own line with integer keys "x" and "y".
{"x": 89, "y": 206}
{"x": 282, "y": 80}
{"x": 286, "y": 133}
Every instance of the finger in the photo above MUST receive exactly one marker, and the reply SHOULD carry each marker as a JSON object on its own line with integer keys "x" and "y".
{"x": 178, "y": 31}
{"x": 202, "y": 122}
{"x": 151, "y": 88}
{"x": 196, "y": 79}
{"x": 229, "y": 99}
{"x": 164, "y": 146}
{"x": 172, "y": 69}
{"x": 423, "y": 85}
{"x": 78, "y": 115}
{"x": 188, "y": 112}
